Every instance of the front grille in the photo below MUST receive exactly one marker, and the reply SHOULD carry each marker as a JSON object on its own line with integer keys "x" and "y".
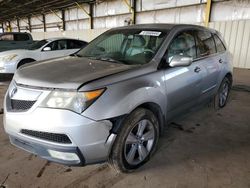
{"x": 21, "y": 104}
{"x": 53, "y": 137}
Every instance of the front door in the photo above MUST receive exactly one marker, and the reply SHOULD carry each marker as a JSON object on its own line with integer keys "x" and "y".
{"x": 183, "y": 84}
{"x": 58, "y": 49}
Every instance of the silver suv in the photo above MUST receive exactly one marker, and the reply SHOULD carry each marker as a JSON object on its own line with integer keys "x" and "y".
{"x": 112, "y": 99}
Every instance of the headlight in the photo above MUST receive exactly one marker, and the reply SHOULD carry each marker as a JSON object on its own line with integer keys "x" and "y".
{"x": 7, "y": 58}
{"x": 75, "y": 101}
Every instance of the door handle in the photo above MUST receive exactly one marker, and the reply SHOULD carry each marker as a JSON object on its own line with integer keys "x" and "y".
{"x": 220, "y": 61}
{"x": 197, "y": 69}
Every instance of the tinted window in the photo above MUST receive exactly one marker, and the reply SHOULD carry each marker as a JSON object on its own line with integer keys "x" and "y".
{"x": 205, "y": 43}
{"x": 75, "y": 44}
{"x": 38, "y": 45}
{"x": 58, "y": 45}
{"x": 7, "y": 37}
{"x": 183, "y": 44}
{"x": 128, "y": 46}
{"x": 219, "y": 45}
{"x": 21, "y": 37}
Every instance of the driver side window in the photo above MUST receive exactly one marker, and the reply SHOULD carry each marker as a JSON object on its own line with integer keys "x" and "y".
{"x": 183, "y": 44}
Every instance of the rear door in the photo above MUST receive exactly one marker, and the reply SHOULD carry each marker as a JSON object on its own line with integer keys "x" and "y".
{"x": 208, "y": 59}
{"x": 183, "y": 84}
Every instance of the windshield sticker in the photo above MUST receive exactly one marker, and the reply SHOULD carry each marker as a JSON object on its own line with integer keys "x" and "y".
{"x": 150, "y": 33}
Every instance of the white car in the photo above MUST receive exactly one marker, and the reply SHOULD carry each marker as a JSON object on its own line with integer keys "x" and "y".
{"x": 41, "y": 50}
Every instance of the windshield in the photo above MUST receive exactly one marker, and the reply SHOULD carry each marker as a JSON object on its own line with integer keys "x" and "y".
{"x": 131, "y": 46}
{"x": 38, "y": 45}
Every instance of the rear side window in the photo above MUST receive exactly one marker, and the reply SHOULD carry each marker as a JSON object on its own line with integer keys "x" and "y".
{"x": 7, "y": 37}
{"x": 182, "y": 44}
{"x": 205, "y": 43}
{"x": 21, "y": 37}
{"x": 219, "y": 45}
{"x": 76, "y": 44}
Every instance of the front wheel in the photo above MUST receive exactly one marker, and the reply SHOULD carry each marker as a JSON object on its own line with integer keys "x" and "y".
{"x": 223, "y": 93}
{"x": 136, "y": 141}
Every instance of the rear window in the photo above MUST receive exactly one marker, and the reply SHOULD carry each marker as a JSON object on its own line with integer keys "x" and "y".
{"x": 7, "y": 37}
{"x": 21, "y": 37}
{"x": 219, "y": 45}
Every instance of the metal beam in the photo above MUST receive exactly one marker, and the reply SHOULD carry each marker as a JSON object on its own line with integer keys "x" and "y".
{"x": 9, "y": 29}
{"x": 208, "y": 12}
{"x": 36, "y": 17}
{"x": 63, "y": 20}
{"x": 29, "y": 24}
{"x": 56, "y": 14}
{"x": 132, "y": 9}
{"x": 18, "y": 24}
{"x": 91, "y": 20}
{"x": 89, "y": 14}
{"x": 44, "y": 23}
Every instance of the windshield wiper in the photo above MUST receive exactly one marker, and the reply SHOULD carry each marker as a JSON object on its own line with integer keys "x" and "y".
{"x": 109, "y": 59}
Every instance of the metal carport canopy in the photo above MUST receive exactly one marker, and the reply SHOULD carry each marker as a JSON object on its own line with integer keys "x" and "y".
{"x": 13, "y": 9}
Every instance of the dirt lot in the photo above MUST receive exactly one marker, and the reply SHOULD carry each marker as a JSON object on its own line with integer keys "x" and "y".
{"x": 205, "y": 149}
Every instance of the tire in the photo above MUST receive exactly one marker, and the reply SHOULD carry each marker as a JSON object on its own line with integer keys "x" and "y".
{"x": 136, "y": 141}
{"x": 25, "y": 61}
{"x": 222, "y": 95}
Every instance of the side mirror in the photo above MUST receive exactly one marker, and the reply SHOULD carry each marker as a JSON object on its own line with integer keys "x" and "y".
{"x": 47, "y": 49}
{"x": 179, "y": 61}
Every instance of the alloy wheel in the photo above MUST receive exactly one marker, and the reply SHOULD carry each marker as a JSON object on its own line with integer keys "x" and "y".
{"x": 139, "y": 142}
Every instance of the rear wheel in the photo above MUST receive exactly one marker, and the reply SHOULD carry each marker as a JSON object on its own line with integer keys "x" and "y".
{"x": 136, "y": 141}
{"x": 223, "y": 93}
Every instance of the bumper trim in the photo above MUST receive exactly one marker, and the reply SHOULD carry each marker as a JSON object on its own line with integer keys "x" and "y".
{"x": 42, "y": 151}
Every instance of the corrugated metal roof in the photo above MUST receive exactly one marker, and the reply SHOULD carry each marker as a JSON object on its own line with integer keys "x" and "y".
{"x": 12, "y": 9}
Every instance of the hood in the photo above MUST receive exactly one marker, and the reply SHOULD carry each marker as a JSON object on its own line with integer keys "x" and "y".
{"x": 9, "y": 52}
{"x": 66, "y": 73}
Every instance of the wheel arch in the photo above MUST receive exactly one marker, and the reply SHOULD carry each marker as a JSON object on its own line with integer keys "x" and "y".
{"x": 153, "y": 107}
{"x": 25, "y": 60}
{"x": 229, "y": 75}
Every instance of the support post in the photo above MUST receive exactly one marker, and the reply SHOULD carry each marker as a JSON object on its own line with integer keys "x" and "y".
{"x": 132, "y": 9}
{"x": 63, "y": 20}
{"x": 29, "y": 24}
{"x": 91, "y": 7}
{"x": 44, "y": 23}
{"x": 208, "y": 12}
{"x": 9, "y": 29}
{"x": 18, "y": 25}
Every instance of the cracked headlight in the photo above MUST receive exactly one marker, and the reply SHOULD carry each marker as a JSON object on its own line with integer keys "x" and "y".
{"x": 75, "y": 101}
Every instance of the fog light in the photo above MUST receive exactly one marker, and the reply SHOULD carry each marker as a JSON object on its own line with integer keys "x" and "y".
{"x": 63, "y": 155}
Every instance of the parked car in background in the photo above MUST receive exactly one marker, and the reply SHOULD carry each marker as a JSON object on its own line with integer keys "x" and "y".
{"x": 112, "y": 99}
{"x": 15, "y": 40}
{"x": 41, "y": 50}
